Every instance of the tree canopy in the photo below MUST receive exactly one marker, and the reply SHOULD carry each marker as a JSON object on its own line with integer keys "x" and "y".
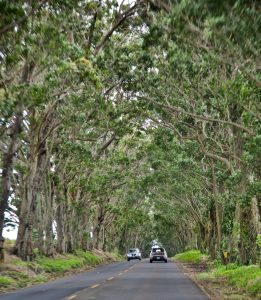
{"x": 132, "y": 120}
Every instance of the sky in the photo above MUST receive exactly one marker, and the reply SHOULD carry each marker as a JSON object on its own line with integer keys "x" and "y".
{"x": 10, "y": 233}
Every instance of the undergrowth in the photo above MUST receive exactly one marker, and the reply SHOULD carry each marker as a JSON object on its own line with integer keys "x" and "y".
{"x": 192, "y": 256}
{"x": 243, "y": 279}
{"x": 17, "y": 273}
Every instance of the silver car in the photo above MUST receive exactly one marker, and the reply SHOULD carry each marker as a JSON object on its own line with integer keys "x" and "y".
{"x": 133, "y": 253}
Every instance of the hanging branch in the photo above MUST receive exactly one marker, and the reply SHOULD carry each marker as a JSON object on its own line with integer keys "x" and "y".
{"x": 106, "y": 145}
{"x": 214, "y": 156}
{"x": 92, "y": 27}
{"x": 121, "y": 18}
{"x": 180, "y": 110}
{"x": 176, "y": 109}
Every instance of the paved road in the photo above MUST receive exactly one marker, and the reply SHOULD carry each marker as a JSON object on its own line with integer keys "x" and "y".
{"x": 118, "y": 281}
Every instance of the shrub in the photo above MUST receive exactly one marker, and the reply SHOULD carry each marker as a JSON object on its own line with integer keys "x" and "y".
{"x": 248, "y": 277}
{"x": 88, "y": 257}
{"x": 5, "y": 281}
{"x": 59, "y": 265}
{"x": 192, "y": 256}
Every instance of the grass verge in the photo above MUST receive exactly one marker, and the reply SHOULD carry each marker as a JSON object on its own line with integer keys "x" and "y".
{"x": 231, "y": 282}
{"x": 192, "y": 256}
{"x": 17, "y": 274}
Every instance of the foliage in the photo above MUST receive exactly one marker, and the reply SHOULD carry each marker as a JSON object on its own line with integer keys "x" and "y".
{"x": 59, "y": 265}
{"x": 89, "y": 258}
{"x": 234, "y": 276}
{"x": 192, "y": 256}
{"x": 247, "y": 277}
{"x": 42, "y": 269}
{"x": 146, "y": 130}
{"x": 16, "y": 279}
{"x": 67, "y": 262}
{"x": 5, "y": 281}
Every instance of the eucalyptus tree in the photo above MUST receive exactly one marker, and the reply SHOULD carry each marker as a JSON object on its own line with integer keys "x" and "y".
{"x": 203, "y": 86}
{"x": 71, "y": 109}
{"x": 121, "y": 117}
{"x": 16, "y": 74}
{"x": 52, "y": 43}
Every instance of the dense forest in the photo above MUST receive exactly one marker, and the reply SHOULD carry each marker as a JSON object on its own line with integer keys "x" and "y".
{"x": 132, "y": 121}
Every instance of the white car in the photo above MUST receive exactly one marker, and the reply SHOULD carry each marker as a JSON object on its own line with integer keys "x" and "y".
{"x": 158, "y": 254}
{"x": 133, "y": 253}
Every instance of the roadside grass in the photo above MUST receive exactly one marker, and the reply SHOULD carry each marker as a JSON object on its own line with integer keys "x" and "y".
{"x": 9, "y": 244}
{"x": 88, "y": 257}
{"x": 66, "y": 262}
{"x": 116, "y": 256}
{"x": 244, "y": 280}
{"x": 5, "y": 281}
{"x": 17, "y": 273}
{"x": 57, "y": 265}
{"x": 17, "y": 279}
{"x": 247, "y": 278}
{"x": 192, "y": 256}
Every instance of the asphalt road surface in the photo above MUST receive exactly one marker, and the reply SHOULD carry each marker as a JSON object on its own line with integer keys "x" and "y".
{"x": 132, "y": 280}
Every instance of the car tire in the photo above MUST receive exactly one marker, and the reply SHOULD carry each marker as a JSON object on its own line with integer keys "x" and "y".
{"x": 128, "y": 259}
{"x": 150, "y": 261}
{"x": 166, "y": 261}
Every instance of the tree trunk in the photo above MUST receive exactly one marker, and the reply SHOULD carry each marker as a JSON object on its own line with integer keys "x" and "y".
{"x": 39, "y": 133}
{"x": 202, "y": 238}
{"x": 7, "y": 170}
{"x": 248, "y": 234}
{"x": 8, "y": 158}
{"x": 97, "y": 232}
{"x": 24, "y": 244}
{"x": 218, "y": 210}
{"x": 48, "y": 196}
{"x": 60, "y": 228}
{"x": 244, "y": 247}
{"x": 212, "y": 231}
{"x": 49, "y": 248}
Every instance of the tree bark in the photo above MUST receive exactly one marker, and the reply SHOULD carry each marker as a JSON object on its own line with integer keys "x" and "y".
{"x": 24, "y": 245}
{"x": 37, "y": 167}
{"x": 60, "y": 229}
{"x": 212, "y": 231}
{"x": 247, "y": 237}
{"x": 8, "y": 160}
{"x": 218, "y": 210}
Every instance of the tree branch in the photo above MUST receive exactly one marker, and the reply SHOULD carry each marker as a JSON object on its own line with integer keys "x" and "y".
{"x": 21, "y": 20}
{"x": 106, "y": 145}
{"x": 121, "y": 18}
{"x": 180, "y": 110}
{"x": 214, "y": 156}
{"x": 92, "y": 27}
